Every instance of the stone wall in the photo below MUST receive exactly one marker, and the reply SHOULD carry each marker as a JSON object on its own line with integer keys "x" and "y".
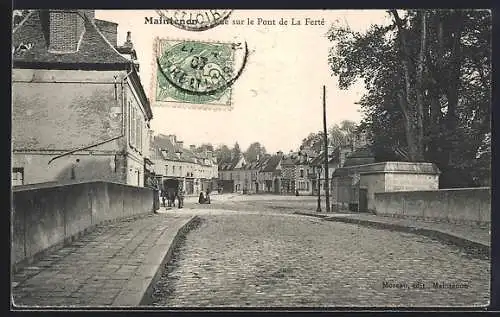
{"x": 381, "y": 177}
{"x": 110, "y": 167}
{"x": 46, "y": 216}
{"x": 61, "y": 110}
{"x": 465, "y": 205}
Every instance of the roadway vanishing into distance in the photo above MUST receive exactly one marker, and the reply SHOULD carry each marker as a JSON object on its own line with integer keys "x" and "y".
{"x": 252, "y": 251}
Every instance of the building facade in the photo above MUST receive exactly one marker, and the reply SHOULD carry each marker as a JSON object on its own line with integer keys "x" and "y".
{"x": 79, "y": 110}
{"x": 270, "y": 173}
{"x": 191, "y": 170}
{"x": 232, "y": 173}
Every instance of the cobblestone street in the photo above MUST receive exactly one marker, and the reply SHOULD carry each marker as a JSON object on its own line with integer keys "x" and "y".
{"x": 268, "y": 258}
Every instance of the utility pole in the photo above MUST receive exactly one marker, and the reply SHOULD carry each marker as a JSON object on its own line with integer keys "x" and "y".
{"x": 318, "y": 209}
{"x": 327, "y": 185}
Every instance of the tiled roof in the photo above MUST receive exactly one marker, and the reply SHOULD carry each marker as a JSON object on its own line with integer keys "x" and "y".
{"x": 272, "y": 163}
{"x": 230, "y": 164}
{"x": 30, "y": 45}
{"x": 360, "y": 157}
{"x": 167, "y": 149}
{"x": 289, "y": 159}
{"x": 320, "y": 159}
{"x": 33, "y": 31}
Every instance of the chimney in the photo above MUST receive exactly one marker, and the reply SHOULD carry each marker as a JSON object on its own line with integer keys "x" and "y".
{"x": 192, "y": 147}
{"x": 279, "y": 153}
{"x": 66, "y": 28}
{"x": 128, "y": 41}
{"x": 208, "y": 153}
{"x": 172, "y": 138}
{"x": 180, "y": 145}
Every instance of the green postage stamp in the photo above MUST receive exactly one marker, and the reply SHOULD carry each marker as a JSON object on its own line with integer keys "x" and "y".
{"x": 192, "y": 74}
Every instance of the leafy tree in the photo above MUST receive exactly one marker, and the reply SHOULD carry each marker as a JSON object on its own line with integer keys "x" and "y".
{"x": 313, "y": 141}
{"x": 427, "y": 76}
{"x": 223, "y": 153}
{"x": 338, "y": 135}
{"x": 255, "y": 149}
{"x": 206, "y": 147}
{"x": 236, "y": 150}
{"x": 343, "y": 134}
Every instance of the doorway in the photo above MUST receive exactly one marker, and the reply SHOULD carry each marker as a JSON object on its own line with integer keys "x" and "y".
{"x": 363, "y": 200}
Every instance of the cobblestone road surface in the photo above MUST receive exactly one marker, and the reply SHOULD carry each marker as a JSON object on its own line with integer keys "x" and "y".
{"x": 261, "y": 258}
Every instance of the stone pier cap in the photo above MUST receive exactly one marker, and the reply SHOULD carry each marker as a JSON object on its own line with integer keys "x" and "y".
{"x": 390, "y": 167}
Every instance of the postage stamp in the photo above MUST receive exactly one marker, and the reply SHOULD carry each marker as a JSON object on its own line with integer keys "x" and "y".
{"x": 193, "y": 73}
{"x": 194, "y": 20}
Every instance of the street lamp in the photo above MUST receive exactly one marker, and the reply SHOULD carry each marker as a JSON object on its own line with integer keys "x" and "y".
{"x": 319, "y": 190}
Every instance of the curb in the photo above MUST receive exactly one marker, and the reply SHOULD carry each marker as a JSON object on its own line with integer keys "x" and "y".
{"x": 146, "y": 299}
{"x": 473, "y": 248}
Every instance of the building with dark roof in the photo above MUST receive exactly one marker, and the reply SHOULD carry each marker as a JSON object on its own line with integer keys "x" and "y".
{"x": 233, "y": 175}
{"x": 194, "y": 171}
{"x": 269, "y": 176}
{"x": 79, "y": 110}
{"x": 297, "y": 172}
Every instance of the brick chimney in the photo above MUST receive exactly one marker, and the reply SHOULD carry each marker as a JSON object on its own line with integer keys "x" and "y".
{"x": 66, "y": 29}
{"x": 128, "y": 41}
{"x": 172, "y": 138}
{"x": 180, "y": 145}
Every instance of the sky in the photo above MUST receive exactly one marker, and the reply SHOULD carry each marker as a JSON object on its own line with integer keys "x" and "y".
{"x": 277, "y": 100}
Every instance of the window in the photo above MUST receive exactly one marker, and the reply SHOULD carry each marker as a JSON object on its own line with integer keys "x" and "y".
{"x": 307, "y": 185}
{"x": 130, "y": 123}
{"x": 173, "y": 169}
{"x": 180, "y": 170}
{"x": 132, "y": 127}
{"x": 138, "y": 143}
{"x": 301, "y": 173}
{"x": 166, "y": 169}
{"x": 17, "y": 176}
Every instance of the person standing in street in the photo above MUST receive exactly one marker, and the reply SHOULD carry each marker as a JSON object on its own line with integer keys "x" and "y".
{"x": 180, "y": 198}
{"x": 207, "y": 196}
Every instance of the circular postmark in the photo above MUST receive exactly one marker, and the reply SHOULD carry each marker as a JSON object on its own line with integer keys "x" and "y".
{"x": 200, "y": 68}
{"x": 194, "y": 20}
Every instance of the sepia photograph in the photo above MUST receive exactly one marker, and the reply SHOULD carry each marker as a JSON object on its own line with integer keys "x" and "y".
{"x": 251, "y": 159}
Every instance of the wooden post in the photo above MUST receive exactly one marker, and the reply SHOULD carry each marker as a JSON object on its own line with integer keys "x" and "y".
{"x": 327, "y": 185}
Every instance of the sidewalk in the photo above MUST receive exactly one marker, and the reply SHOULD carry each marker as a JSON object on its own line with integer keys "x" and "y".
{"x": 474, "y": 239}
{"x": 114, "y": 265}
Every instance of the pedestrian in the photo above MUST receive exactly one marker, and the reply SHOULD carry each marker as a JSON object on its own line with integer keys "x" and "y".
{"x": 207, "y": 196}
{"x": 180, "y": 198}
{"x": 163, "y": 197}
{"x": 201, "y": 199}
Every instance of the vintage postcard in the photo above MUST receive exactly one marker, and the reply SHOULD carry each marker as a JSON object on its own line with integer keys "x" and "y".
{"x": 251, "y": 159}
